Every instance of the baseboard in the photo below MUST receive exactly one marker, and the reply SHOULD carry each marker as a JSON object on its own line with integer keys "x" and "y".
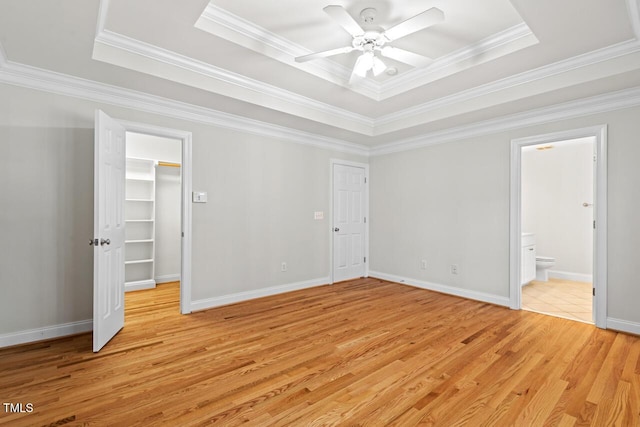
{"x": 140, "y": 285}
{"x": 623, "y": 326}
{"x": 204, "y": 304}
{"x": 168, "y": 278}
{"x": 48, "y": 332}
{"x": 445, "y": 289}
{"x": 566, "y": 275}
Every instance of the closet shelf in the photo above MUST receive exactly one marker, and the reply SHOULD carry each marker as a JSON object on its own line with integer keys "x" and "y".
{"x": 138, "y": 261}
{"x": 138, "y": 220}
{"x": 141, "y": 178}
{"x": 139, "y": 200}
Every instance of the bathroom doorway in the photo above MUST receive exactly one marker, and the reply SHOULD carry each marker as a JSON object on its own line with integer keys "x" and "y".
{"x": 558, "y": 224}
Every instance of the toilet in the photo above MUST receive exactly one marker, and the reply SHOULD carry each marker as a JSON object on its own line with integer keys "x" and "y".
{"x": 543, "y": 264}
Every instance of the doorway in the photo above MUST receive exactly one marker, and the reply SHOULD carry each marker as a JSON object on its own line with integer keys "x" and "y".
{"x": 184, "y": 140}
{"x": 556, "y": 223}
{"x": 596, "y": 207}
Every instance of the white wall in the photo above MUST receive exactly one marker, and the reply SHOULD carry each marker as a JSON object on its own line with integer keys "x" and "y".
{"x": 450, "y": 204}
{"x": 262, "y": 195}
{"x": 555, "y": 184}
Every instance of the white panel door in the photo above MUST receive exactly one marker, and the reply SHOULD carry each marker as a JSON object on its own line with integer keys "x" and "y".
{"x": 108, "y": 258}
{"x": 348, "y": 222}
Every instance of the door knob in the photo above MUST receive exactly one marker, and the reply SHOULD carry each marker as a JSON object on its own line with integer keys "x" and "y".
{"x": 105, "y": 242}
{"x": 336, "y": 229}
{"x": 93, "y": 242}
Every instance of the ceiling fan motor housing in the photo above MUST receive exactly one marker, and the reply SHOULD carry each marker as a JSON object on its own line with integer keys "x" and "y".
{"x": 369, "y": 41}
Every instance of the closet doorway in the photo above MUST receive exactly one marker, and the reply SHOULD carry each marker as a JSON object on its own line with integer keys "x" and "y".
{"x": 158, "y": 209}
{"x": 152, "y": 211}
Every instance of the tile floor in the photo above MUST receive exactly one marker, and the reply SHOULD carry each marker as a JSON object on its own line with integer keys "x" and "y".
{"x": 560, "y": 298}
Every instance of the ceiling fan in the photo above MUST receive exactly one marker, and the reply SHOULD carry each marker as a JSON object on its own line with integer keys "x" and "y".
{"x": 370, "y": 42}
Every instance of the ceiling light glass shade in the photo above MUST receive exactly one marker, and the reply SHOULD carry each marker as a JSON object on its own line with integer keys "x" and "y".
{"x": 363, "y": 64}
{"x": 378, "y": 66}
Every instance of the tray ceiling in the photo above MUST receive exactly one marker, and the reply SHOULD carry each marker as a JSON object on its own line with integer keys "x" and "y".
{"x": 237, "y": 56}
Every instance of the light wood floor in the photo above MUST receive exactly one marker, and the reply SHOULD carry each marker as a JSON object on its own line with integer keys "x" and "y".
{"x": 363, "y": 352}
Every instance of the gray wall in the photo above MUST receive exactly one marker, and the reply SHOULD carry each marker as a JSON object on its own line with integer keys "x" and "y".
{"x": 262, "y": 195}
{"x": 450, "y": 204}
{"x": 447, "y": 203}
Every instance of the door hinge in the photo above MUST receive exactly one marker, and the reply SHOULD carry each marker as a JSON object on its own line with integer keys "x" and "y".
{"x": 594, "y": 291}
{"x": 365, "y": 219}
{"x": 594, "y": 224}
{"x": 365, "y": 179}
{"x": 365, "y": 259}
{"x": 183, "y": 234}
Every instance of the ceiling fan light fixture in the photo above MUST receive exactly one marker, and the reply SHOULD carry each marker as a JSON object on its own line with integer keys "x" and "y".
{"x": 362, "y": 66}
{"x": 379, "y": 67}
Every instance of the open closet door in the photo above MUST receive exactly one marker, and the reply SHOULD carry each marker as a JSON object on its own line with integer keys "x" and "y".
{"x": 109, "y": 227}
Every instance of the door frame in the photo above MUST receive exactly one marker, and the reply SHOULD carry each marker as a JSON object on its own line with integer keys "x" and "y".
{"x": 599, "y": 215}
{"x": 365, "y": 166}
{"x": 186, "y": 182}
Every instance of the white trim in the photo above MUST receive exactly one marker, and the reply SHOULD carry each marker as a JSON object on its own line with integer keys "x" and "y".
{"x": 238, "y": 30}
{"x": 207, "y": 303}
{"x": 567, "y": 275}
{"x": 519, "y": 37}
{"x": 185, "y": 138}
{"x": 445, "y": 289}
{"x": 626, "y": 98}
{"x": 63, "y": 84}
{"x": 623, "y": 326}
{"x": 139, "y": 285}
{"x": 249, "y": 35}
{"x": 365, "y": 166}
{"x": 45, "y": 333}
{"x": 600, "y": 214}
{"x": 166, "y": 278}
{"x": 580, "y": 61}
{"x": 228, "y": 82}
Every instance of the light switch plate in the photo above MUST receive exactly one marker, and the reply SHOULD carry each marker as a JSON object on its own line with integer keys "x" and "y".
{"x": 318, "y": 215}
{"x": 199, "y": 197}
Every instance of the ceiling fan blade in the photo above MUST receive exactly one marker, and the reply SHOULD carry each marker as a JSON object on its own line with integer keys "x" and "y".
{"x": 419, "y": 22}
{"x": 405, "y": 56}
{"x": 325, "y": 54}
{"x": 345, "y": 20}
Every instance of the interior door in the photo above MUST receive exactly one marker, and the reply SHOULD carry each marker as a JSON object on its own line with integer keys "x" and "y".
{"x": 348, "y": 222}
{"x": 109, "y": 226}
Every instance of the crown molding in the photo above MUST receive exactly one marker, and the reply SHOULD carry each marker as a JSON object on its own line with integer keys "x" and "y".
{"x": 63, "y": 84}
{"x": 222, "y": 23}
{"x": 487, "y": 49}
{"x": 231, "y": 27}
{"x": 230, "y": 83}
{"x": 527, "y": 77}
{"x": 582, "y": 107}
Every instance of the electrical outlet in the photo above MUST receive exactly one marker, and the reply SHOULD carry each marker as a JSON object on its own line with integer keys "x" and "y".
{"x": 283, "y": 266}
{"x": 423, "y": 264}
{"x": 454, "y": 268}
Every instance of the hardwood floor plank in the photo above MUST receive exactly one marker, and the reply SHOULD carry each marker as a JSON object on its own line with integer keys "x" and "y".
{"x": 361, "y": 352}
